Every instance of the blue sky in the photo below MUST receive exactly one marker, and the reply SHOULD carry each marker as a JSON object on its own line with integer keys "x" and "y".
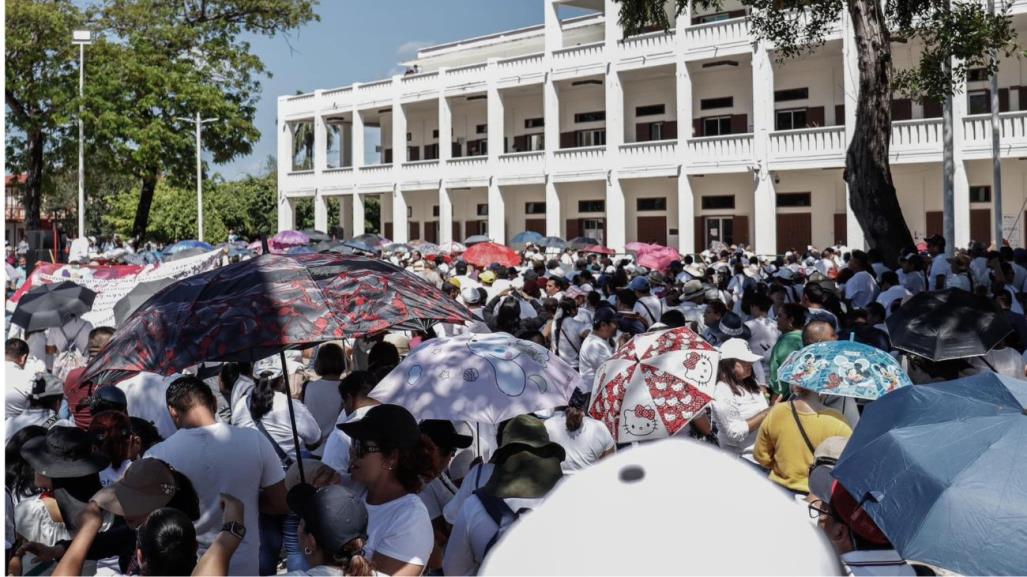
{"x": 363, "y": 40}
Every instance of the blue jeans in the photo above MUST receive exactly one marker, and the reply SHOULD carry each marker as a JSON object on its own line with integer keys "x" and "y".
{"x": 276, "y": 531}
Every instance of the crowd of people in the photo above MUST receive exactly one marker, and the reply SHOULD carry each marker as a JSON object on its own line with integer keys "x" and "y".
{"x": 197, "y": 473}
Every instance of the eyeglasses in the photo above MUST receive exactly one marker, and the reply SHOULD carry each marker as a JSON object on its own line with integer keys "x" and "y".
{"x": 362, "y": 448}
{"x": 818, "y": 509}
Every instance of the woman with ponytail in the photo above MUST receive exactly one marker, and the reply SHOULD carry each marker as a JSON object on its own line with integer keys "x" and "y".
{"x": 564, "y": 332}
{"x": 333, "y": 530}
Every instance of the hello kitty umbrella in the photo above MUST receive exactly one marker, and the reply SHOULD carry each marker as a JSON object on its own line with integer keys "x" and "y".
{"x": 654, "y": 385}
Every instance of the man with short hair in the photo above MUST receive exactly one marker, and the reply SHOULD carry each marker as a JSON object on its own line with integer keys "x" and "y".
{"x": 940, "y": 267}
{"x": 790, "y": 320}
{"x": 78, "y": 393}
{"x": 219, "y": 458}
{"x": 891, "y": 291}
{"x": 647, "y": 306}
{"x": 585, "y": 440}
{"x": 18, "y": 381}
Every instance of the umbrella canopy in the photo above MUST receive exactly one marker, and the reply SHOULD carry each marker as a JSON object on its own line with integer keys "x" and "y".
{"x": 487, "y": 253}
{"x": 184, "y": 253}
{"x": 300, "y": 250}
{"x": 940, "y": 469}
{"x": 654, "y": 385}
{"x": 188, "y": 244}
{"x": 948, "y": 324}
{"x": 316, "y": 235}
{"x": 368, "y": 247}
{"x": 425, "y": 247}
{"x": 641, "y": 500}
{"x": 482, "y": 378}
{"x": 397, "y": 247}
{"x": 598, "y": 249}
{"x": 250, "y": 310}
{"x": 452, "y": 247}
{"x": 375, "y": 240}
{"x": 286, "y": 239}
{"x": 640, "y": 248}
{"x": 52, "y": 305}
{"x": 523, "y": 238}
{"x": 553, "y": 242}
{"x": 136, "y": 297}
{"x": 476, "y": 239}
{"x": 845, "y": 369}
{"x": 580, "y": 242}
{"x": 659, "y": 258}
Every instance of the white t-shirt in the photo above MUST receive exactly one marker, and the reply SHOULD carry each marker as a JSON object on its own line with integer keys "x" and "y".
{"x": 220, "y": 458}
{"x": 475, "y": 479}
{"x": 730, "y": 413}
{"x": 336, "y": 453}
{"x": 939, "y": 267}
{"x": 322, "y": 399}
{"x": 472, "y": 531}
{"x": 146, "y": 394}
{"x": 914, "y": 282}
{"x": 279, "y": 425}
{"x": 35, "y": 416}
{"x": 437, "y": 494}
{"x": 594, "y": 352}
{"x": 861, "y": 289}
{"x": 570, "y": 339}
{"x": 764, "y": 336}
{"x": 17, "y": 388}
{"x": 400, "y": 529}
{"x": 886, "y": 298}
{"x": 238, "y": 403}
{"x": 649, "y": 308}
{"x": 585, "y": 446}
{"x": 74, "y": 333}
{"x": 112, "y": 475}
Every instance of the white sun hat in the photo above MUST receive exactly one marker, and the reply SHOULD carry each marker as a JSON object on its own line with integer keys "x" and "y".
{"x": 738, "y": 349}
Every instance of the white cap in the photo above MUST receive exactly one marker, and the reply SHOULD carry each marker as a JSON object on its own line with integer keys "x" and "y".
{"x": 469, "y": 295}
{"x": 738, "y": 349}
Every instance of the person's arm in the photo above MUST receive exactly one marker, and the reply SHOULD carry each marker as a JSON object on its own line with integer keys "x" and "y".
{"x": 89, "y": 522}
{"x": 389, "y": 566}
{"x": 763, "y": 450}
{"x": 272, "y": 499}
{"x": 216, "y": 560}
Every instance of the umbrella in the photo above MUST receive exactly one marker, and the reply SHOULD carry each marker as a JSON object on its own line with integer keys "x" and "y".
{"x": 580, "y": 242}
{"x": 487, "y": 253}
{"x": 482, "y": 378}
{"x": 845, "y": 369}
{"x": 397, "y": 247}
{"x": 375, "y": 240}
{"x": 316, "y": 235}
{"x": 654, "y": 385}
{"x": 641, "y": 500}
{"x": 658, "y": 258}
{"x": 639, "y": 248}
{"x": 478, "y": 238}
{"x": 940, "y": 469}
{"x": 287, "y": 239}
{"x": 553, "y": 242}
{"x": 256, "y": 246}
{"x": 136, "y": 297}
{"x": 52, "y": 305}
{"x": 598, "y": 249}
{"x": 948, "y": 324}
{"x": 184, "y": 253}
{"x": 300, "y": 250}
{"x": 361, "y": 245}
{"x": 523, "y": 238}
{"x": 424, "y": 247}
{"x": 188, "y": 244}
{"x": 452, "y": 247}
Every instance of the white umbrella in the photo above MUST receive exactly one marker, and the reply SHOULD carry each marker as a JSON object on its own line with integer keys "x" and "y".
{"x": 482, "y": 378}
{"x": 673, "y": 507}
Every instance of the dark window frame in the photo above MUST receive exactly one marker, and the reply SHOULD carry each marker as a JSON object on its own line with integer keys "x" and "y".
{"x": 538, "y": 122}
{"x": 714, "y": 201}
{"x": 534, "y": 206}
{"x": 659, "y": 203}
{"x": 482, "y": 209}
{"x": 976, "y": 190}
{"x": 720, "y": 120}
{"x": 794, "y": 200}
{"x": 650, "y": 110}
{"x": 589, "y": 206}
{"x": 792, "y": 112}
{"x": 716, "y": 103}
{"x": 789, "y": 94}
{"x": 586, "y": 117}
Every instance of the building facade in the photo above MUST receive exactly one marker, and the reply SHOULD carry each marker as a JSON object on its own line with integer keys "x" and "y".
{"x": 680, "y": 137}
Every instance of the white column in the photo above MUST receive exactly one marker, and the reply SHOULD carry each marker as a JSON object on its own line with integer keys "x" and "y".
{"x": 495, "y": 113}
{"x": 399, "y": 128}
{"x": 611, "y": 24}
{"x": 320, "y": 211}
{"x": 614, "y": 115}
{"x": 445, "y": 123}
{"x": 553, "y": 28}
{"x": 358, "y": 133}
{"x": 765, "y": 213}
{"x": 357, "y": 224}
{"x": 497, "y": 212}
{"x": 285, "y": 213}
{"x": 400, "y": 228}
{"x": 551, "y": 113}
{"x": 346, "y": 216}
{"x": 616, "y": 215}
{"x": 445, "y": 214}
{"x": 285, "y": 216}
{"x": 961, "y": 185}
{"x": 686, "y": 214}
{"x": 553, "y": 223}
{"x": 850, "y": 71}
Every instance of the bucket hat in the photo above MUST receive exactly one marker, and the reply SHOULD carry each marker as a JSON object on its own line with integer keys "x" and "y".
{"x": 64, "y": 452}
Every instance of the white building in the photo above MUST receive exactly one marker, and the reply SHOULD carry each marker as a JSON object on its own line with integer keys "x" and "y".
{"x": 679, "y": 137}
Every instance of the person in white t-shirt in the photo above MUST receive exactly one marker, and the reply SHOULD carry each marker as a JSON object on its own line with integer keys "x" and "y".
{"x": 145, "y": 395}
{"x": 438, "y": 492}
{"x": 891, "y": 291}
{"x": 861, "y": 289}
{"x": 584, "y": 440}
{"x": 17, "y": 381}
{"x": 219, "y": 458}
{"x": 647, "y": 307}
{"x": 911, "y": 274}
{"x": 321, "y": 397}
{"x": 596, "y": 348}
{"x": 940, "y": 268}
{"x": 565, "y": 331}
{"x": 44, "y": 401}
{"x": 739, "y": 405}
{"x": 390, "y": 458}
{"x": 354, "y": 389}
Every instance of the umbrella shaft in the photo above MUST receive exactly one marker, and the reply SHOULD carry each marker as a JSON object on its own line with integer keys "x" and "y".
{"x": 292, "y": 417}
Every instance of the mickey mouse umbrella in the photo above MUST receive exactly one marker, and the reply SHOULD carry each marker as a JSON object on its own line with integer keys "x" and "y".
{"x": 654, "y": 385}
{"x": 845, "y": 369}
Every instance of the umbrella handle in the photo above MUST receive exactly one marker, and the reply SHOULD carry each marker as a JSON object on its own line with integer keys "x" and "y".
{"x": 292, "y": 414}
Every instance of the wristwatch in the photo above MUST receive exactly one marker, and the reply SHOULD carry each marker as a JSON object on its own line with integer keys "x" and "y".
{"x": 234, "y": 528}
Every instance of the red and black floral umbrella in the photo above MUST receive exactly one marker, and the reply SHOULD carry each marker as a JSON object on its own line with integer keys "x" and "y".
{"x": 256, "y": 308}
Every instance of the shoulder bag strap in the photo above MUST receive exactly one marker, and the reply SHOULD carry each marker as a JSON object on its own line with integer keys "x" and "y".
{"x": 282, "y": 456}
{"x": 802, "y": 430}
{"x": 563, "y": 331}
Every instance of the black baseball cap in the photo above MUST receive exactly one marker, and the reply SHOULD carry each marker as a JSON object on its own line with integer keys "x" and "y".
{"x": 444, "y": 434}
{"x": 388, "y": 425}
{"x": 332, "y": 514}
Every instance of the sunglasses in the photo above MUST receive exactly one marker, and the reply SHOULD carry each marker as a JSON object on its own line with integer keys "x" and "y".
{"x": 818, "y": 509}
{"x": 363, "y": 448}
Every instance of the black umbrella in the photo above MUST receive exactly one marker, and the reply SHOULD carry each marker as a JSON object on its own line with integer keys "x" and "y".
{"x": 316, "y": 235}
{"x": 948, "y": 324}
{"x": 52, "y": 305}
{"x": 136, "y": 297}
{"x": 582, "y": 242}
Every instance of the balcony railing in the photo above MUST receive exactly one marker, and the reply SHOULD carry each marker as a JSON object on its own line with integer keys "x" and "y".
{"x": 584, "y": 159}
{"x": 576, "y": 56}
{"x": 649, "y": 43}
{"x": 807, "y": 143}
{"x": 466, "y": 74}
{"x": 376, "y": 170}
{"x": 512, "y": 65}
{"x": 528, "y": 161}
{"x": 977, "y": 128}
{"x": 648, "y": 153}
{"x": 415, "y": 83}
{"x": 718, "y": 34}
{"x": 916, "y": 135}
{"x": 712, "y": 151}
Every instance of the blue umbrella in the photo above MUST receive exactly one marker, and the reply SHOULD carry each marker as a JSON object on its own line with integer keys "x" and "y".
{"x": 523, "y": 238}
{"x": 188, "y": 244}
{"x": 940, "y": 469}
{"x": 553, "y": 242}
{"x": 845, "y": 369}
{"x": 476, "y": 239}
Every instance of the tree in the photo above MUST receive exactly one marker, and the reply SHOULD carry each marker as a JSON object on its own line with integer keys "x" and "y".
{"x": 963, "y": 30}
{"x": 39, "y": 91}
{"x": 164, "y": 59}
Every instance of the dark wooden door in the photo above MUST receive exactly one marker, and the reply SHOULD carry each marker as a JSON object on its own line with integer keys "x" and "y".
{"x": 699, "y": 234}
{"x": 741, "y": 229}
{"x": 980, "y": 225}
{"x": 388, "y": 230}
{"x": 652, "y": 229}
{"x": 841, "y": 228}
{"x": 573, "y": 228}
{"x": 431, "y": 231}
{"x": 935, "y": 224}
{"x": 794, "y": 232}
{"x": 415, "y": 230}
{"x": 535, "y": 225}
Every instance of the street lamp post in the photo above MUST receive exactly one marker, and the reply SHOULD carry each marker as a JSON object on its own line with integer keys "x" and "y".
{"x": 199, "y": 122}
{"x": 81, "y": 38}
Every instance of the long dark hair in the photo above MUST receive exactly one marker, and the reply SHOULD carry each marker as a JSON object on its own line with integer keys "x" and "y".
{"x": 570, "y": 309}
{"x": 262, "y": 397}
{"x": 412, "y": 465}
{"x": 19, "y": 477}
{"x": 230, "y": 373}
{"x": 508, "y": 318}
{"x": 167, "y": 541}
{"x": 726, "y": 374}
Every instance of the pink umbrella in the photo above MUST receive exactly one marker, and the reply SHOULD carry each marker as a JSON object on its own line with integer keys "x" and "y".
{"x": 287, "y": 239}
{"x": 256, "y": 246}
{"x": 598, "y": 250}
{"x": 659, "y": 258}
{"x": 639, "y": 248}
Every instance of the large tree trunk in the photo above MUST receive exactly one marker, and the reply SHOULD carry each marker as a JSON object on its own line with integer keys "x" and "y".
{"x": 872, "y": 195}
{"x": 142, "y": 219}
{"x": 32, "y": 194}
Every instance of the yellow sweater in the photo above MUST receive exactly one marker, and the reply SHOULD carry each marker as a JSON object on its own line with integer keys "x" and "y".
{"x": 780, "y": 447}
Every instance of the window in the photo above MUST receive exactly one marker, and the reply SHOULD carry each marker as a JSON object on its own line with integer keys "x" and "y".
{"x": 410, "y": 212}
{"x": 534, "y": 122}
{"x": 716, "y": 126}
{"x": 410, "y": 136}
{"x": 725, "y": 202}
{"x": 659, "y": 203}
{"x": 791, "y": 94}
{"x": 302, "y": 145}
{"x": 980, "y": 194}
{"x": 536, "y": 141}
{"x": 978, "y": 101}
{"x": 977, "y": 75}
{"x": 435, "y": 211}
{"x": 481, "y": 129}
{"x": 333, "y": 152}
{"x": 534, "y": 208}
{"x": 656, "y": 131}
{"x": 598, "y": 116}
{"x": 793, "y": 199}
{"x": 711, "y": 103}
{"x": 790, "y": 119}
{"x": 651, "y": 110}
{"x": 594, "y": 137}
{"x": 718, "y": 17}
{"x": 435, "y": 133}
{"x": 483, "y": 210}
{"x": 591, "y": 206}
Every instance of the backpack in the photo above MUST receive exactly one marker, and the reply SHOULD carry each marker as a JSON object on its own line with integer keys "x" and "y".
{"x": 501, "y": 513}
{"x": 68, "y": 361}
